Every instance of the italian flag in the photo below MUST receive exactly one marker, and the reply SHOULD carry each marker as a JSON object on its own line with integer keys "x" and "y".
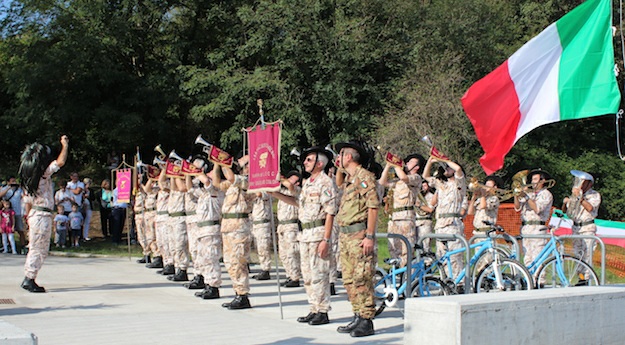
{"x": 610, "y": 232}
{"x": 564, "y": 73}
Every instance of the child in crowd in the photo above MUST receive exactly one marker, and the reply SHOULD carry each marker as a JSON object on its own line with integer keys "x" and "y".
{"x": 7, "y": 223}
{"x": 76, "y": 220}
{"x": 61, "y": 222}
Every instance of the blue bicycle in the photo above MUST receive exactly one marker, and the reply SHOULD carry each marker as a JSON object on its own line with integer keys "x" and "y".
{"x": 390, "y": 286}
{"x": 554, "y": 269}
{"x": 496, "y": 271}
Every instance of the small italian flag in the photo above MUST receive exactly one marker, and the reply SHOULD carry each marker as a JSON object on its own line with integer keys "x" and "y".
{"x": 564, "y": 73}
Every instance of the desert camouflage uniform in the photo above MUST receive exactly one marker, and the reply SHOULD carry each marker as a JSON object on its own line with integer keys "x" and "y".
{"x": 162, "y": 228}
{"x": 403, "y": 216}
{"x": 451, "y": 194}
{"x": 534, "y": 223}
{"x": 191, "y": 219}
{"x": 40, "y": 222}
{"x": 150, "y": 223}
{"x": 317, "y": 199}
{"x": 484, "y": 214}
{"x": 139, "y": 212}
{"x": 288, "y": 233}
{"x": 236, "y": 232}
{"x": 584, "y": 224}
{"x": 261, "y": 229}
{"x": 178, "y": 240}
{"x": 359, "y": 195}
{"x": 423, "y": 220}
{"x": 209, "y": 243}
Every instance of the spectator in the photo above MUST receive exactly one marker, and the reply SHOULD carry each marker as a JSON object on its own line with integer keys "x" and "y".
{"x": 62, "y": 198}
{"x": 61, "y": 222}
{"x": 6, "y": 226}
{"x": 118, "y": 217}
{"x": 104, "y": 199}
{"x": 13, "y": 193}
{"x": 75, "y": 222}
{"x": 75, "y": 189}
{"x": 87, "y": 208}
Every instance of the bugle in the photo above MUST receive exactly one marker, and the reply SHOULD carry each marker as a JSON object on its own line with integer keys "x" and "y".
{"x": 206, "y": 146}
{"x": 160, "y": 151}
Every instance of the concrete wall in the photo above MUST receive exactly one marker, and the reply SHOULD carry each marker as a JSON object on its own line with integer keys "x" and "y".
{"x": 12, "y": 335}
{"x": 581, "y": 315}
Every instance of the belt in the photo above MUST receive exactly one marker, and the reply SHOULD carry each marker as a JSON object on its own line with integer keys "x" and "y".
{"x": 353, "y": 227}
{"x": 150, "y": 209}
{"x": 406, "y": 208}
{"x": 533, "y": 222}
{"x": 139, "y": 212}
{"x": 588, "y": 222}
{"x": 161, "y": 212}
{"x": 234, "y": 215}
{"x": 423, "y": 218}
{"x": 207, "y": 223}
{"x": 290, "y": 221}
{"x": 315, "y": 224}
{"x": 190, "y": 213}
{"x": 482, "y": 229}
{"x": 448, "y": 215}
{"x": 262, "y": 221}
{"x": 176, "y": 214}
{"x": 42, "y": 209}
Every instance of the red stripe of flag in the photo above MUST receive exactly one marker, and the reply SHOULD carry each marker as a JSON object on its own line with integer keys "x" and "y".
{"x": 492, "y": 106}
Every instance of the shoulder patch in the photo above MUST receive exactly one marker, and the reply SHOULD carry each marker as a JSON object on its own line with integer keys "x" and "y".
{"x": 363, "y": 184}
{"x": 327, "y": 193}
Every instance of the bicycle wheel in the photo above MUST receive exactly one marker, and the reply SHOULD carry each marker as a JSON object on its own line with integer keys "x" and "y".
{"x": 514, "y": 276}
{"x": 428, "y": 287}
{"x": 576, "y": 272}
{"x": 380, "y": 281}
{"x": 486, "y": 258}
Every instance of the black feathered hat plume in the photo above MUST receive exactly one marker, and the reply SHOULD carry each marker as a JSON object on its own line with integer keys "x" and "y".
{"x": 33, "y": 163}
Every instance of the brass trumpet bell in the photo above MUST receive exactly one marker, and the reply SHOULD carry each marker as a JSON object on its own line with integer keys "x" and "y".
{"x": 501, "y": 194}
{"x": 160, "y": 151}
{"x": 205, "y": 144}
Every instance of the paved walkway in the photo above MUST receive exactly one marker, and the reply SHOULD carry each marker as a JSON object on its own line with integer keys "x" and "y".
{"x": 117, "y": 301}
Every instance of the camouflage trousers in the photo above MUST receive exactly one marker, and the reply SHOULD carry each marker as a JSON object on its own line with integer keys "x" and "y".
{"x": 262, "y": 241}
{"x": 583, "y": 248}
{"x": 192, "y": 234}
{"x": 442, "y": 247}
{"x": 315, "y": 271}
{"x": 39, "y": 232}
{"x": 141, "y": 238}
{"x": 162, "y": 238}
{"x": 424, "y": 227}
{"x": 335, "y": 258}
{"x": 396, "y": 247}
{"x": 150, "y": 233}
{"x": 288, "y": 247}
{"x": 206, "y": 263}
{"x": 533, "y": 246}
{"x": 358, "y": 270}
{"x": 180, "y": 242}
{"x": 237, "y": 237}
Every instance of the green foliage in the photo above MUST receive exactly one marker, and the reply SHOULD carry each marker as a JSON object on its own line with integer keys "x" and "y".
{"x": 121, "y": 74}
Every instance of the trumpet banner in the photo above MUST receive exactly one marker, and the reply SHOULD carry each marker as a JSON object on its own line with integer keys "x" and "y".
{"x": 124, "y": 185}
{"x": 173, "y": 170}
{"x": 264, "y": 152}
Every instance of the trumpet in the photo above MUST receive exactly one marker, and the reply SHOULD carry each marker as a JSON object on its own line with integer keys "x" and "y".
{"x": 160, "y": 151}
{"x": 519, "y": 183}
{"x": 294, "y": 152}
{"x": 501, "y": 194}
{"x": 158, "y": 162}
{"x": 175, "y": 158}
{"x": 206, "y": 146}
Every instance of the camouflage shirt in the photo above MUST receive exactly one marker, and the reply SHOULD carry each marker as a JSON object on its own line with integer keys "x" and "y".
{"x": 261, "y": 209}
{"x": 451, "y": 194}
{"x": 236, "y": 200}
{"x": 287, "y": 211}
{"x": 317, "y": 199}
{"x": 45, "y": 192}
{"x": 489, "y": 213}
{"x": 593, "y": 198}
{"x": 544, "y": 201}
{"x": 404, "y": 197}
{"x": 359, "y": 195}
